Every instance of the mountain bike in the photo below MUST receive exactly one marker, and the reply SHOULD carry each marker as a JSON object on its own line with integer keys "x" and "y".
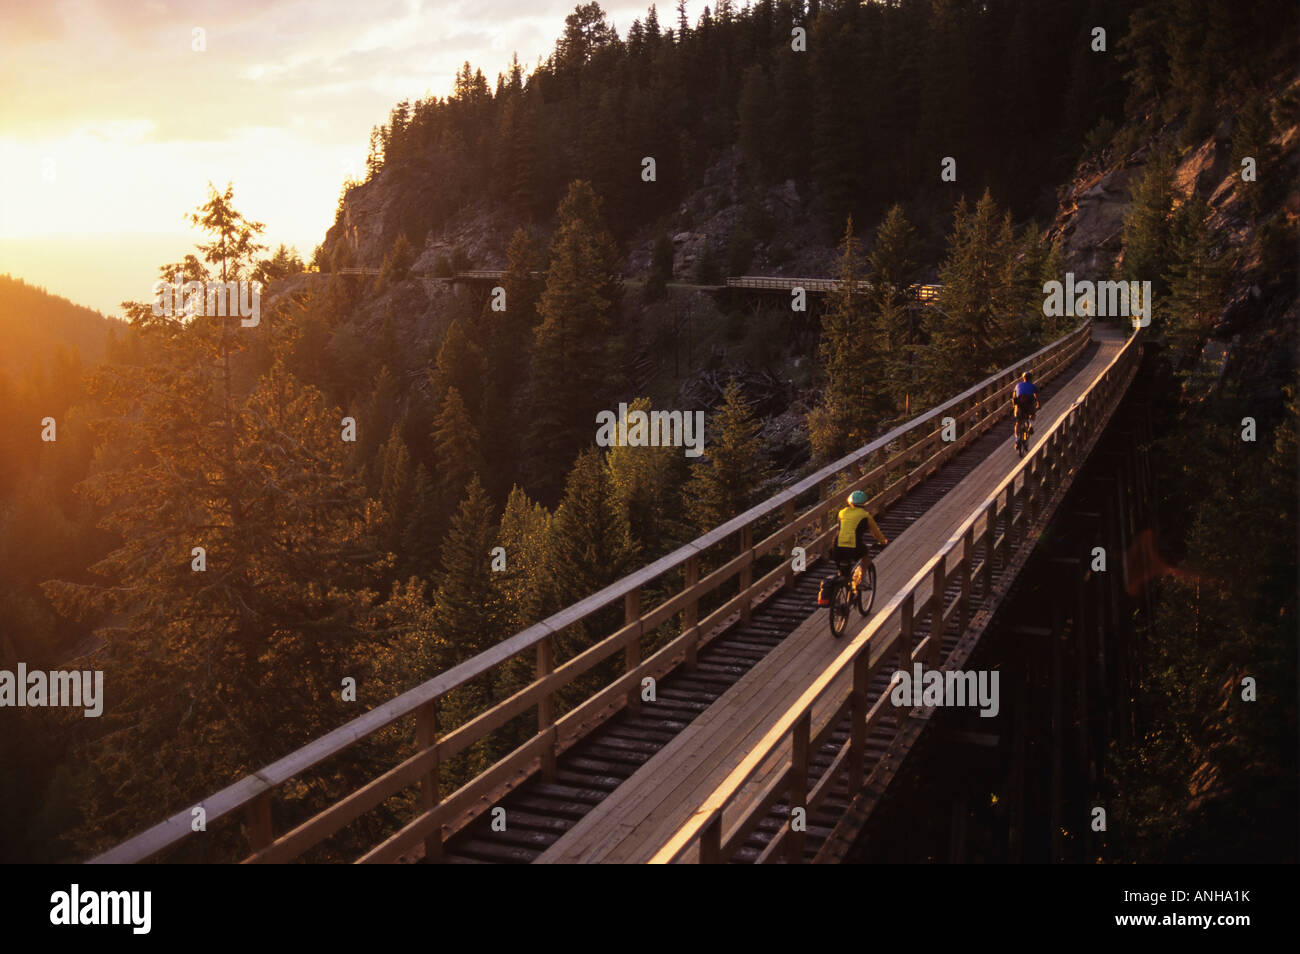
{"x": 843, "y": 591}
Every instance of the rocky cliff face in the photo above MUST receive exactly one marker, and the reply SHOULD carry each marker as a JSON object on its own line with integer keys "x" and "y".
{"x": 1090, "y": 219}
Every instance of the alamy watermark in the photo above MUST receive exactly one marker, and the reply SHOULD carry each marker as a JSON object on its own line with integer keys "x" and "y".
{"x": 75, "y": 906}
{"x": 82, "y": 689}
{"x": 210, "y": 300}
{"x": 651, "y": 429}
{"x": 1086, "y": 299}
{"x": 938, "y": 687}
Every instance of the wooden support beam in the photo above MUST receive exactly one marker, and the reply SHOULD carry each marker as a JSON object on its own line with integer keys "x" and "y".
{"x": 798, "y": 785}
{"x": 546, "y": 705}
{"x": 934, "y": 652}
{"x": 711, "y": 840}
{"x": 968, "y": 558}
{"x": 632, "y": 654}
{"x": 858, "y": 721}
{"x": 746, "y": 573}
{"x": 691, "y": 614}
{"x": 257, "y": 815}
{"x": 426, "y": 737}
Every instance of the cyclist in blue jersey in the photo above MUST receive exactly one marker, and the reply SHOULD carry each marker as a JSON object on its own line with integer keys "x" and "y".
{"x": 1024, "y": 399}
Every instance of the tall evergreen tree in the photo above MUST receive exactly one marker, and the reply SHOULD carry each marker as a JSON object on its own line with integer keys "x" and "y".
{"x": 970, "y": 330}
{"x": 226, "y": 658}
{"x": 1147, "y": 223}
{"x": 726, "y": 479}
{"x": 854, "y": 397}
{"x": 571, "y": 350}
{"x": 646, "y": 486}
{"x": 894, "y": 308}
{"x": 456, "y": 449}
{"x": 1197, "y": 276}
{"x": 420, "y": 541}
{"x": 590, "y": 546}
{"x": 395, "y": 489}
{"x": 467, "y": 607}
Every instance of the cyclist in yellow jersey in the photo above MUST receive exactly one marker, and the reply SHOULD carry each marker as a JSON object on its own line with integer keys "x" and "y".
{"x": 851, "y": 541}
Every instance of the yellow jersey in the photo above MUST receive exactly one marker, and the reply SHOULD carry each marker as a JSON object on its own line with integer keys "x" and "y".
{"x": 850, "y": 519}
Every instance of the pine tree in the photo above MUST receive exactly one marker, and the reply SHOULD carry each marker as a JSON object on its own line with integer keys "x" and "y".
{"x": 397, "y": 263}
{"x": 590, "y": 546}
{"x": 456, "y": 449}
{"x": 854, "y": 398}
{"x": 1147, "y": 224}
{"x": 570, "y": 361}
{"x": 661, "y": 268}
{"x": 894, "y": 310}
{"x": 420, "y": 540}
{"x": 523, "y": 289}
{"x": 460, "y": 365}
{"x": 466, "y": 607}
{"x": 969, "y": 328}
{"x": 524, "y": 533}
{"x": 755, "y": 123}
{"x": 646, "y": 485}
{"x": 233, "y": 666}
{"x": 1197, "y": 276}
{"x": 726, "y": 479}
{"x": 1052, "y": 268}
{"x": 1252, "y": 138}
{"x": 395, "y": 488}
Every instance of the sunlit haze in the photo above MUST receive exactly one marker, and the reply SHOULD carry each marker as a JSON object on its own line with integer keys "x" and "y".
{"x": 112, "y": 124}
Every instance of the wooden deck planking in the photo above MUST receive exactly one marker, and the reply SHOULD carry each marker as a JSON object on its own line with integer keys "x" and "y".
{"x": 631, "y": 823}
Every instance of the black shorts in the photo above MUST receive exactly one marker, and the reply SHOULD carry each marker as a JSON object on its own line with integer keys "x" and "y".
{"x": 845, "y": 557}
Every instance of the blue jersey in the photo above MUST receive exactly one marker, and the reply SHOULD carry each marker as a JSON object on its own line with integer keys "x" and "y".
{"x": 1024, "y": 390}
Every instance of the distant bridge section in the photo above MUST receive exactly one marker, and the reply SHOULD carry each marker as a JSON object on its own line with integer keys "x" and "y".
{"x": 818, "y": 286}
{"x": 926, "y": 294}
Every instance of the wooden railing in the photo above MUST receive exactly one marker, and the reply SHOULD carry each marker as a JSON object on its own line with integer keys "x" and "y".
{"x": 890, "y": 465}
{"x": 925, "y": 293}
{"x": 996, "y": 529}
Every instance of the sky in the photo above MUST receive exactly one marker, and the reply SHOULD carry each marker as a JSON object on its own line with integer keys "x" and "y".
{"x": 115, "y": 115}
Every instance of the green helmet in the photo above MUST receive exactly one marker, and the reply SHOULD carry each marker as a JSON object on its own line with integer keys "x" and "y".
{"x": 858, "y": 498}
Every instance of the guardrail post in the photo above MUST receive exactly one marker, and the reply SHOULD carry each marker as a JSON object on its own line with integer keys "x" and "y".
{"x": 858, "y": 719}
{"x": 1007, "y": 529}
{"x": 990, "y": 540}
{"x": 632, "y": 655}
{"x": 906, "y": 622}
{"x": 787, "y": 518}
{"x": 967, "y": 561}
{"x": 937, "y": 600}
{"x": 799, "y": 744}
{"x": 257, "y": 815}
{"x": 546, "y": 704}
{"x": 711, "y": 839}
{"x": 746, "y": 573}
{"x": 691, "y": 614}
{"x": 426, "y": 737}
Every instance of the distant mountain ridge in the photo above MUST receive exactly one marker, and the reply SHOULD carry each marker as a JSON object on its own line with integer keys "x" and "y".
{"x": 34, "y": 324}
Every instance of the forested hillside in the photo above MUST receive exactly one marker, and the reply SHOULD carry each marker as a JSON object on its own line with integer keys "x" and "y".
{"x": 37, "y": 325}
{"x": 347, "y": 466}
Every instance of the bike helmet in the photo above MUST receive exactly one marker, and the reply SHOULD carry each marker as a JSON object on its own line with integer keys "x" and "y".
{"x": 858, "y": 498}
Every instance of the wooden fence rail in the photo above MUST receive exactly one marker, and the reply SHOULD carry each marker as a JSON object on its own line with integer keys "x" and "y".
{"x": 891, "y": 464}
{"x": 894, "y": 637}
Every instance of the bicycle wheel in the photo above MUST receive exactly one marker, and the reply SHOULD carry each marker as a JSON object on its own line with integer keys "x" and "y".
{"x": 867, "y": 590}
{"x": 839, "y": 608}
